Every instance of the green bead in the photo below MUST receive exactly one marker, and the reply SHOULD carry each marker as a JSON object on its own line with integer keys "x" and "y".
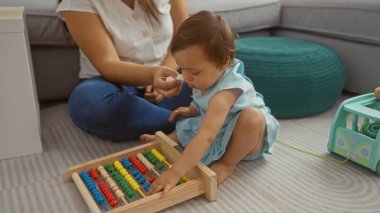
{"x": 118, "y": 178}
{"x": 161, "y": 167}
{"x": 108, "y": 165}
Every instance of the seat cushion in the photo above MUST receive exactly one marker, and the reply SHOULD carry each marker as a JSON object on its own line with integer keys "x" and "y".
{"x": 348, "y": 19}
{"x": 242, "y": 15}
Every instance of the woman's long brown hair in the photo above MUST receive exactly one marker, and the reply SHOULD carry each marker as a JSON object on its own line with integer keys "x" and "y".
{"x": 150, "y": 9}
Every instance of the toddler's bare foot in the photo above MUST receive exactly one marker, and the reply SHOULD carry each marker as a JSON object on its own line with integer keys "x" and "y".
{"x": 223, "y": 172}
{"x": 146, "y": 138}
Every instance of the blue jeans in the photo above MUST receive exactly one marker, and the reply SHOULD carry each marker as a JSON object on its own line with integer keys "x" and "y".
{"x": 119, "y": 112}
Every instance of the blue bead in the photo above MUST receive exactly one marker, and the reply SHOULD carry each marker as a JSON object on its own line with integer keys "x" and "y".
{"x": 126, "y": 163}
{"x": 146, "y": 186}
{"x": 141, "y": 181}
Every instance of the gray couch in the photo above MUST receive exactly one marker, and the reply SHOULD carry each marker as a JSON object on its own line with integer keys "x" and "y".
{"x": 350, "y": 27}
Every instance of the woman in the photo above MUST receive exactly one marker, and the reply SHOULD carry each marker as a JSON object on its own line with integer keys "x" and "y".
{"x": 123, "y": 44}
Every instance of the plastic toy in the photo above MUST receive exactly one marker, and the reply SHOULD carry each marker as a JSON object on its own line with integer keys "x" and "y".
{"x": 355, "y": 130}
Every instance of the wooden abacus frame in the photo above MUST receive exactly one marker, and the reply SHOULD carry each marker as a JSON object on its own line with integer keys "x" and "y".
{"x": 203, "y": 180}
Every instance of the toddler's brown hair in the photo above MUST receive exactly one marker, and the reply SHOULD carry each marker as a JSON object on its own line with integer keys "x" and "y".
{"x": 211, "y": 32}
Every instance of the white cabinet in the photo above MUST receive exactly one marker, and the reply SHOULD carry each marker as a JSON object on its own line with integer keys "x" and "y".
{"x": 19, "y": 109}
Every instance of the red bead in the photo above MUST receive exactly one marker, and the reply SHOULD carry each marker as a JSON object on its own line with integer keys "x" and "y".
{"x": 151, "y": 179}
{"x": 137, "y": 164}
{"x": 113, "y": 203}
{"x": 93, "y": 173}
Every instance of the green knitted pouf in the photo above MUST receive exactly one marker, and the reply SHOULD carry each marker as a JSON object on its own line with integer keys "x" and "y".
{"x": 297, "y": 78}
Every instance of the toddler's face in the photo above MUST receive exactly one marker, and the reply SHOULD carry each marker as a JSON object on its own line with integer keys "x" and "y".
{"x": 197, "y": 70}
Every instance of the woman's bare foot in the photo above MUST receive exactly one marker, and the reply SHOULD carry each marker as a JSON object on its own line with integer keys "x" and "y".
{"x": 146, "y": 138}
{"x": 223, "y": 172}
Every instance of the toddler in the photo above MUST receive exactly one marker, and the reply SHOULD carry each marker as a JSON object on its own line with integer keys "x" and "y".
{"x": 227, "y": 120}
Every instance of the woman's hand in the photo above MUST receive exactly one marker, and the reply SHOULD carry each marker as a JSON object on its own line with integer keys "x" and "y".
{"x": 152, "y": 95}
{"x": 185, "y": 112}
{"x": 164, "y": 182}
{"x": 167, "y": 88}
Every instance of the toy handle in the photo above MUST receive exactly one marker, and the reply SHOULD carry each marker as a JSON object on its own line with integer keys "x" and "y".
{"x": 377, "y": 93}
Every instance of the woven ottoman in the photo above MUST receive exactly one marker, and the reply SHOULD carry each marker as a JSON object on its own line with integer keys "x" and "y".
{"x": 298, "y": 78}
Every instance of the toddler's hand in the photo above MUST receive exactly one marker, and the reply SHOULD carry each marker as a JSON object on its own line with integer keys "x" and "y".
{"x": 180, "y": 112}
{"x": 164, "y": 182}
{"x": 152, "y": 95}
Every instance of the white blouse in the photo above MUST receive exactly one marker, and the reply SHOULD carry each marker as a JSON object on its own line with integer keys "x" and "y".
{"x": 135, "y": 39}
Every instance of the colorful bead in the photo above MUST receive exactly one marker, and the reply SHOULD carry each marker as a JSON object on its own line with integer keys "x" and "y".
{"x": 154, "y": 160}
{"x": 123, "y": 185}
{"x": 93, "y": 190}
{"x": 106, "y": 192}
{"x": 94, "y": 174}
{"x": 137, "y": 164}
{"x": 151, "y": 179}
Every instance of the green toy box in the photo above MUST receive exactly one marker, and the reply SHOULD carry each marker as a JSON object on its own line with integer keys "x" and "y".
{"x": 355, "y": 131}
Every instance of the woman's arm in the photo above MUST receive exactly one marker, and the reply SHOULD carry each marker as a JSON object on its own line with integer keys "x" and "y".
{"x": 92, "y": 38}
{"x": 179, "y": 14}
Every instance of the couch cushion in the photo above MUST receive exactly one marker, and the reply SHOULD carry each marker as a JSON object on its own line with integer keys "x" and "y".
{"x": 34, "y": 7}
{"x": 47, "y": 30}
{"x": 44, "y": 27}
{"x": 348, "y": 19}
{"x": 242, "y": 15}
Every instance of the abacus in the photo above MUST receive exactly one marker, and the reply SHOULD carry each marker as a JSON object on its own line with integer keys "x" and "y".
{"x": 119, "y": 182}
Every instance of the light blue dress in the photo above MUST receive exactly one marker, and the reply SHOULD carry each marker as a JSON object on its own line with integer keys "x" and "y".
{"x": 232, "y": 78}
